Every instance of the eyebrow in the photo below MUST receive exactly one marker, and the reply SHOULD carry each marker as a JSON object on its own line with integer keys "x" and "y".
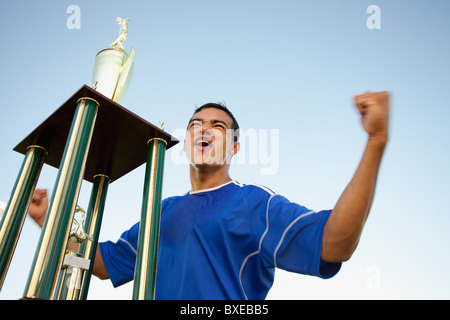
{"x": 212, "y": 121}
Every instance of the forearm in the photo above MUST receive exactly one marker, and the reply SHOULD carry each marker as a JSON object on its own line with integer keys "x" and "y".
{"x": 344, "y": 226}
{"x": 99, "y": 269}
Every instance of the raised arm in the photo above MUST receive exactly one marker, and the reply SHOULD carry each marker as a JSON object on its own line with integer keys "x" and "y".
{"x": 345, "y": 224}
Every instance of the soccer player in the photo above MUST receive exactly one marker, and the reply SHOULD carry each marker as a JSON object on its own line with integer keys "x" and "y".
{"x": 223, "y": 239}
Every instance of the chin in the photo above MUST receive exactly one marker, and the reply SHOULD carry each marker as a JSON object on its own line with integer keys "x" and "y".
{"x": 205, "y": 163}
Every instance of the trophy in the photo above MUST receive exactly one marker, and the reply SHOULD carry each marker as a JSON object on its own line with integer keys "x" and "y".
{"x": 90, "y": 137}
{"x": 113, "y": 67}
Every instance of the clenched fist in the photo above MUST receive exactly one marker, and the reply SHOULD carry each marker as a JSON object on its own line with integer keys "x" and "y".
{"x": 374, "y": 110}
{"x": 38, "y": 207}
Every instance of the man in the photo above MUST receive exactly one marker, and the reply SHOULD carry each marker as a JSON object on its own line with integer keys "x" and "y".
{"x": 223, "y": 239}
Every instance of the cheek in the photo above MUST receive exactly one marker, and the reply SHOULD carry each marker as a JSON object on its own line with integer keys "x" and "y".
{"x": 188, "y": 140}
{"x": 187, "y": 146}
{"x": 228, "y": 144}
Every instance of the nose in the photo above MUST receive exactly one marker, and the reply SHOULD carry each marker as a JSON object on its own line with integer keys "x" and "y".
{"x": 206, "y": 126}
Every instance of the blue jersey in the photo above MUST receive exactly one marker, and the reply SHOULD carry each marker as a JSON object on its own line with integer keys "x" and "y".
{"x": 224, "y": 243}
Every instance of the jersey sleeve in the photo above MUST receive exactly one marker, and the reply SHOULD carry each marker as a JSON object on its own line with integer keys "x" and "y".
{"x": 120, "y": 257}
{"x": 291, "y": 238}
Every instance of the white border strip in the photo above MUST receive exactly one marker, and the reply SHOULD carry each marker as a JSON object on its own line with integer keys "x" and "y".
{"x": 284, "y": 234}
{"x": 259, "y": 246}
{"x": 129, "y": 244}
{"x": 211, "y": 189}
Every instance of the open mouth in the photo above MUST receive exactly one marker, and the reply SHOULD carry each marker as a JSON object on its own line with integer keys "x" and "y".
{"x": 203, "y": 143}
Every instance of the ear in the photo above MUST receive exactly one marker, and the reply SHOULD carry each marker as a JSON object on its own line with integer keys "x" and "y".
{"x": 236, "y": 148}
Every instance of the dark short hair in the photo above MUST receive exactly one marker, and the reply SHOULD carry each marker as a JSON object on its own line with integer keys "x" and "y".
{"x": 222, "y": 106}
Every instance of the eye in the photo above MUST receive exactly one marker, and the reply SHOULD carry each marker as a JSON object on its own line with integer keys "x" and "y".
{"x": 195, "y": 124}
{"x": 219, "y": 126}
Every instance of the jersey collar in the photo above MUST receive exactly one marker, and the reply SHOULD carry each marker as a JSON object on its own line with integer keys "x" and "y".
{"x": 212, "y": 189}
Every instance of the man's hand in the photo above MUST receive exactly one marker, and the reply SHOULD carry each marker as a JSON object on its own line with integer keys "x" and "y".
{"x": 374, "y": 109}
{"x": 38, "y": 210}
{"x": 39, "y": 206}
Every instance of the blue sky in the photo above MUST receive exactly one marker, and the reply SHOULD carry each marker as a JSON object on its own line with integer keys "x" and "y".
{"x": 285, "y": 68}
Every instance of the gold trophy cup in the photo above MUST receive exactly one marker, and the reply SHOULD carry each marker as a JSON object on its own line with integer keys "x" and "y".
{"x": 113, "y": 67}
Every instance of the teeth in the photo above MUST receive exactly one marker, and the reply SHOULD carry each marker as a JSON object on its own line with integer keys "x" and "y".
{"x": 201, "y": 142}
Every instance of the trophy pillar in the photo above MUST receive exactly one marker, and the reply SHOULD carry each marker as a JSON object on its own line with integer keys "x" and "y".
{"x": 148, "y": 240}
{"x": 52, "y": 243}
{"x": 93, "y": 223}
{"x": 77, "y": 267}
{"x": 16, "y": 210}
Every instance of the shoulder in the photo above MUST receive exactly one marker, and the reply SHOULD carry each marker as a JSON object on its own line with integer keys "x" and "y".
{"x": 257, "y": 195}
{"x": 266, "y": 199}
{"x": 256, "y": 189}
{"x": 170, "y": 200}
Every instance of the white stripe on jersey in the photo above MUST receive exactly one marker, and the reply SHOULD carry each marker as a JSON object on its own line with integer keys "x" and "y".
{"x": 129, "y": 244}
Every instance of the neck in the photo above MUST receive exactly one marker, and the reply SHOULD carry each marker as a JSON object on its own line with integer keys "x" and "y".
{"x": 208, "y": 177}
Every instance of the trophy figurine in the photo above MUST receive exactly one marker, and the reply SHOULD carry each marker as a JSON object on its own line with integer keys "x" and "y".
{"x": 113, "y": 67}
{"x": 123, "y": 33}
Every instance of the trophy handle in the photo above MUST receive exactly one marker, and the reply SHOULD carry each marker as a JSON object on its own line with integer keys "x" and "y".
{"x": 125, "y": 69}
